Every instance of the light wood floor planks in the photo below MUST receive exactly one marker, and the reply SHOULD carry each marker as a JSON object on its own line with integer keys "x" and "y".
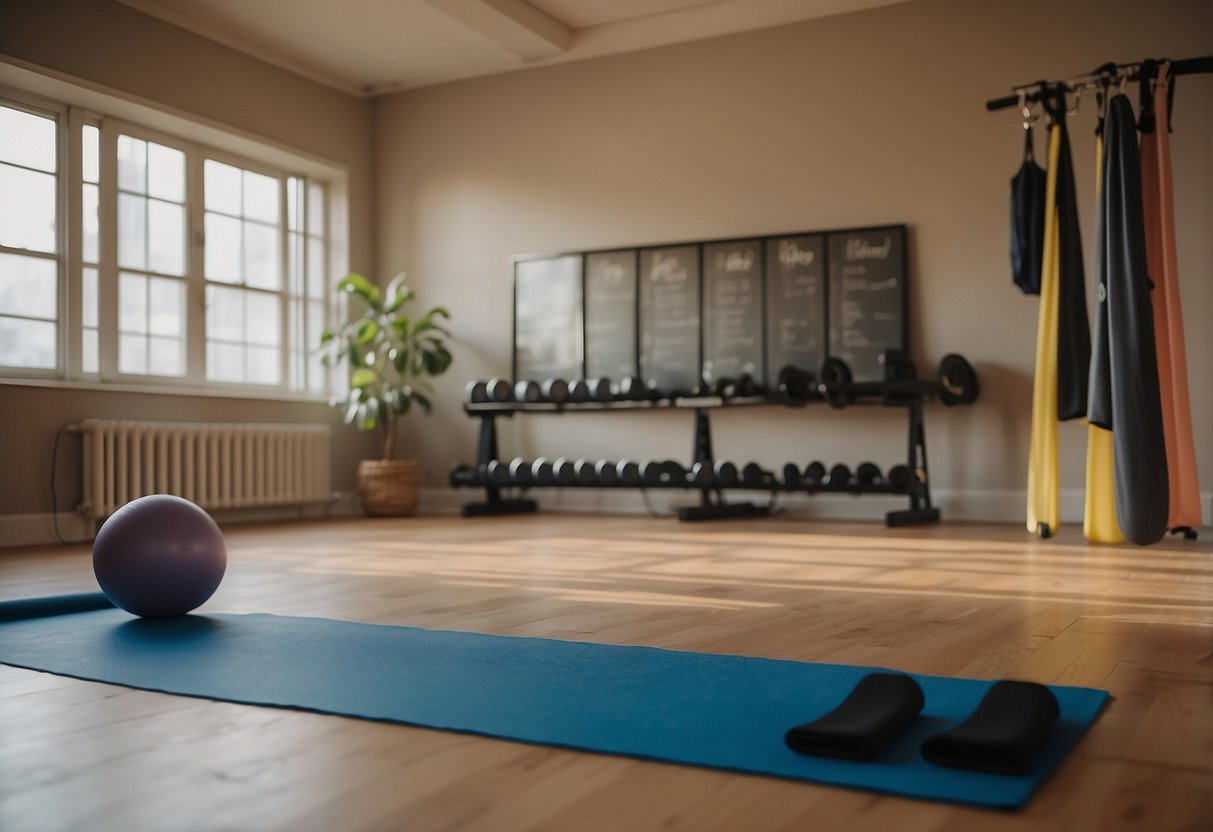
{"x": 983, "y": 601}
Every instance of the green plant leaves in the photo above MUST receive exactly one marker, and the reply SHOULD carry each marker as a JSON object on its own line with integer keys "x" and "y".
{"x": 390, "y": 354}
{"x": 355, "y": 284}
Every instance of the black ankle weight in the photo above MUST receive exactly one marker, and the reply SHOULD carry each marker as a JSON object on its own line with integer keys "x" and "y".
{"x": 1005, "y": 733}
{"x": 880, "y": 705}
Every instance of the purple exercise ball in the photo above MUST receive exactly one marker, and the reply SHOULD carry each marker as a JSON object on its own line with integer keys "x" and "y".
{"x": 159, "y": 556}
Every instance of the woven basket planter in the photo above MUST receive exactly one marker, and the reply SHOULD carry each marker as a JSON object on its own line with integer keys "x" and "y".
{"x": 389, "y": 487}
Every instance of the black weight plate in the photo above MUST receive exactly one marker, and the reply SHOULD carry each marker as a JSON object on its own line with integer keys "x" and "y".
{"x": 726, "y": 473}
{"x": 499, "y": 390}
{"x": 702, "y": 474}
{"x": 555, "y": 390}
{"x": 586, "y": 475}
{"x": 869, "y": 473}
{"x": 606, "y": 472}
{"x": 477, "y": 392}
{"x": 520, "y": 472}
{"x": 628, "y": 472}
{"x": 497, "y": 473}
{"x": 957, "y": 380}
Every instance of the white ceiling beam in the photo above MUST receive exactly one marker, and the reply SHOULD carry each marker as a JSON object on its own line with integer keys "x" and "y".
{"x": 515, "y": 25}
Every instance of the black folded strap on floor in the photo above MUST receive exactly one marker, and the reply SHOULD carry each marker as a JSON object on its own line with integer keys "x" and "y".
{"x": 1004, "y": 734}
{"x": 879, "y": 706}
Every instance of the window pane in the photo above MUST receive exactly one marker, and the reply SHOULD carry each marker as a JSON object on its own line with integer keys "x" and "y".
{"x": 132, "y": 164}
{"x": 294, "y": 264}
{"x": 224, "y": 362}
{"x": 262, "y": 314}
{"x": 28, "y": 286}
{"x": 132, "y": 303}
{"x": 166, "y": 306}
{"x": 315, "y": 325}
{"x": 294, "y": 203}
{"x": 264, "y": 365}
{"x": 315, "y": 268}
{"x": 260, "y": 197}
{"x": 164, "y": 357}
{"x": 89, "y": 352}
{"x": 315, "y": 209}
{"x": 25, "y": 343}
{"x": 165, "y": 172}
{"x": 222, "y": 185}
{"x": 132, "y": 354}
{"x": 88, "y": 305}
{"x": 132, "y": 231}
{"x": 222, "y": 249}
{"x": 224, "y": 313}
{"x": 91, "y": 223}
{"x": 91, "y": 153}
{"x": 27, "y": 140}
{"x": 317, "y": 374}
{"x": 261, "y": 256}
{"x": 165, "y": 237}
{"x": 27, "y": 209}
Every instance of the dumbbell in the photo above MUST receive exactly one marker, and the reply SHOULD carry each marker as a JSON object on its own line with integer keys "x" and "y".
{"x": 702, "y": 475}
{"x": 791, "y": 475}
{"x": 869, "y": 473}
{"x": 477, "y": 392}
{"x": 579, "y": 391}
{"x": 600, "y": 389}
{"x": 526, "y": 391}
{"x": 543, "y": 472}
{"x": 628, "y": 472}
{"x": 814, "y": 474}
{"x": 754, "y": 475}
{"x": 745, "y": 386}
{"x": 564, "y": 472}
{"x": 493, "y": 473}
{"x": 521, "y": 473}
{"x": 585, "y": 473}
{"x": 833, "y": 380}
{"x": 840, "y": 389}
{"x": 957, "y": 381}
{"x": 725, "y": 473}
{"x": 632, "y": 389}
{"x": 500, "y": 390}
{"x": 668, "y": 473}
{"x": 796, "y": 386}
{"x": 900, "y": 476}
{"x": 838, "y": 478}
{"x": 555, "y": 390}
{"x": 462, "y": 475}
{"x": 606, "y": 473}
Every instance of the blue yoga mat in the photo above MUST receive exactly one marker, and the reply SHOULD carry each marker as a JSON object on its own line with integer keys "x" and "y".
{"x": 701, "y": 709}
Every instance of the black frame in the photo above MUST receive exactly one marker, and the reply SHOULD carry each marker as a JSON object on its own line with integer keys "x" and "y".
{"x": 514, "y": 263}
{"x": 763, "y": 239}
{"x": 903, "y": 300}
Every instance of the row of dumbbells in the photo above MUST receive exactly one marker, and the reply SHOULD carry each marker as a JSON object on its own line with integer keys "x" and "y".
{"x": 603, "y": 390}
{"x": 669, "y": 474}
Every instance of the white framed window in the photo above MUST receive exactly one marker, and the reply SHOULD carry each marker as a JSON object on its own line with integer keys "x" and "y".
{"x": 31, "y": 249}
{"x": 132, "y": 256}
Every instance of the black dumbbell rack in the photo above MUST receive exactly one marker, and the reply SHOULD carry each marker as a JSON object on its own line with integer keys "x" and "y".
{"x": 909, "y": 395}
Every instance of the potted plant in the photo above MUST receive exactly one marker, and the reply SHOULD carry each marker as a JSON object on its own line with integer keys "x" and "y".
{"x": 391, "y": 359}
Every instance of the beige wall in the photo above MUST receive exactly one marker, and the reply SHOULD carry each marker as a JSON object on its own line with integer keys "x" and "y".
{"x": 874, "y": 117}
{"x": 110, "y": 44}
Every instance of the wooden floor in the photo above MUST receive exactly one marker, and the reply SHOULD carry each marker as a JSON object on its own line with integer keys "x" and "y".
{"x": 982, "y": 601}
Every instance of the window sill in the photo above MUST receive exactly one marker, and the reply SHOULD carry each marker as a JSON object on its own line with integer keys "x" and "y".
{"x": 162, "y": 389}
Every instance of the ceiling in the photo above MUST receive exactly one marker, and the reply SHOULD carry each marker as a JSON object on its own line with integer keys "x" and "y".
{"x": 371, "y": 47}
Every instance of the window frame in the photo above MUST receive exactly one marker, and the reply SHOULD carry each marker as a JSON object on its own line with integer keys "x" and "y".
{"x": 70, "y": 120}
{"x": 47, "y": 108}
